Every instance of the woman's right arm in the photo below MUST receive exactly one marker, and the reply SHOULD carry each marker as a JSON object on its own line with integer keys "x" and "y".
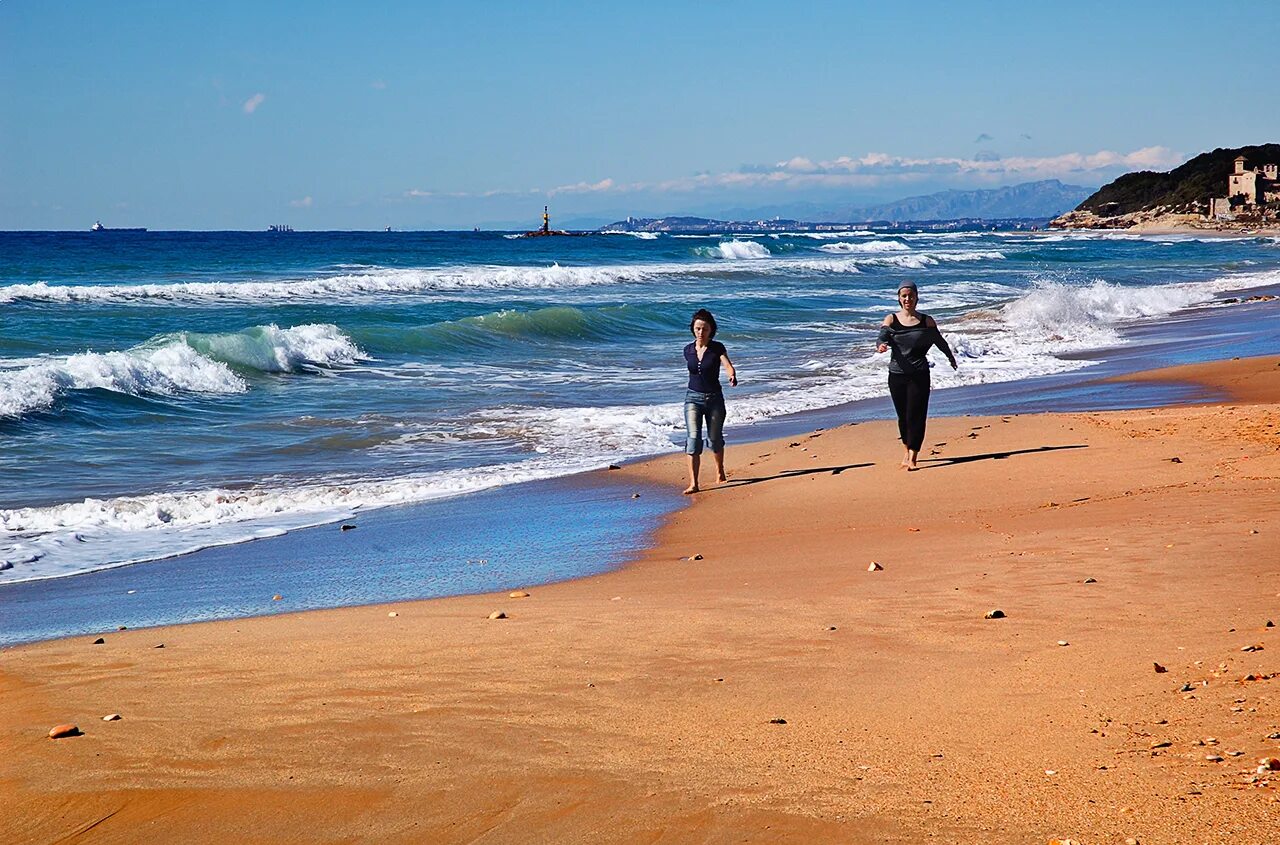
{"x": 882, "y": 344}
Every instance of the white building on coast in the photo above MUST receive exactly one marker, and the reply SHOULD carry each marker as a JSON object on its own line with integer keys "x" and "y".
{"x": 1249, "y": 192}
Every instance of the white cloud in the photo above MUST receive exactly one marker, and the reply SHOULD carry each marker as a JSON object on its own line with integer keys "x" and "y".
{"x": 583, "y": 188}
{"x": 305, "y": 202}
{"x": 874, "y": 170}
{"x": 251, "y": 104}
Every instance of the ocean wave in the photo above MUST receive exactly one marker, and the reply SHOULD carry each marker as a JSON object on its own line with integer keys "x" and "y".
{"x": 734, "y": 250}
{"x": 1089, "y": 316}
{"x": 170, "y": 365}
{"x": 380, "y": 281}
{"x": 644, "y": 236}
{"x": 865, "y": 247}
{"x": 479, "y": 279}
{"x": 558, "y": 322}
{"x": 75, "y": 537}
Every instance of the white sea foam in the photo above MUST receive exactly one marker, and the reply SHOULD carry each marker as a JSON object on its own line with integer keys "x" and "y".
{"x": 736, "y": 250}
{"x": 479, "y": 279}
{"x": 867, "y": 247}
{"x": 65, "y": 539}
{"x": 644, "y": 236}
{"x": 164, "y": 371}
{"x": 171, "y": 365}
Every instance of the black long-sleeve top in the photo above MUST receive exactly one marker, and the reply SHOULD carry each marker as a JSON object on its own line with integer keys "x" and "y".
{"x": 909, "y": 345}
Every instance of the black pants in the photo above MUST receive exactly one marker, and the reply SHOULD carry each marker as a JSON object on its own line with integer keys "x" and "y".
{"x": 911, "y": 401}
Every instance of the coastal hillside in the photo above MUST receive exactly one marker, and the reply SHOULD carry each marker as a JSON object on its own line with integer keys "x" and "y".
{"x": 1148, "y": 196}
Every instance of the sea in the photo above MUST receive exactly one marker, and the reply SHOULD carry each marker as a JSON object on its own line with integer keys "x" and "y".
{"x": 179, "y": 406}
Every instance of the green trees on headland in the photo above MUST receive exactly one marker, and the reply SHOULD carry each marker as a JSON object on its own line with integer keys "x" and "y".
{"x": 1187, "y": 188}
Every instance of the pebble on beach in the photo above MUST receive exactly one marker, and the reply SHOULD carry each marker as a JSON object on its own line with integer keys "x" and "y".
{"x": 1160, "y": 670}
{"x": 99, "y": 641}
{"x": 111, "y": 717}
{"x": 1091, "y": 580}
{"x": 875, "y": 567}
{"x": 1063, "y": 643}
{"x": 497, "y": 614}
{"x": 518, "y": 594}
{"x": 61, "y": 731}
{"x": 392, "y": 613}
{"x": 994, "y": 614}
{"x": 777, "y": 721}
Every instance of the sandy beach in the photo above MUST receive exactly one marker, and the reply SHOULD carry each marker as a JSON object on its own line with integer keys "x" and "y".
{"x": 748, "y": 678}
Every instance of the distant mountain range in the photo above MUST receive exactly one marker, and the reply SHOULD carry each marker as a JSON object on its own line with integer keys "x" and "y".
{"x": 1047, "y": 198}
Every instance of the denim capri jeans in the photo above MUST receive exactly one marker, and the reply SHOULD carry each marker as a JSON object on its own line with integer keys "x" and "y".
{"x": 700, "y": 407}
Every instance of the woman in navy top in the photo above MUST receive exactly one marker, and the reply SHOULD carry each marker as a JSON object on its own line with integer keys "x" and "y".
{"x": 909, "y": 335}
{"x": 704, "y": 400}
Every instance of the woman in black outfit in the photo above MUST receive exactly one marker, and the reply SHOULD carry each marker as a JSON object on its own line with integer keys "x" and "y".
{"x": 908, "y": 334}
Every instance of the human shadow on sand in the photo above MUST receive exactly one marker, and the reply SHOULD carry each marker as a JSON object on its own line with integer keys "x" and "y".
{"x": 790, "y": 473}
{"x": 938, "y": 463}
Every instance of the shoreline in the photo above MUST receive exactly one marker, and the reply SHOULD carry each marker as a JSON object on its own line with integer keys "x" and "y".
{"x": 640, "y": 703}
{"x": 167, "y": 586}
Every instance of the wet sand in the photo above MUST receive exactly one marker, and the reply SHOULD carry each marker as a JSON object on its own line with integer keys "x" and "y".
{"x": 773, "y": 690}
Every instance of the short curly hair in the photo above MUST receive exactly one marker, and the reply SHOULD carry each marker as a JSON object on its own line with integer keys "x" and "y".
{"x": 706, "y": 316}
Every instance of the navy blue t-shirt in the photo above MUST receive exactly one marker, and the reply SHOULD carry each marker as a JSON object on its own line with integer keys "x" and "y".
{"x": 704, "y": 375}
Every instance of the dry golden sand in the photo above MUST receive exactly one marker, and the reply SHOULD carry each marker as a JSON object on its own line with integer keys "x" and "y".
{"x": 636, "y": 706}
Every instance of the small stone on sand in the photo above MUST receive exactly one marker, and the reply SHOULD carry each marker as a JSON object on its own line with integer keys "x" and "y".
{"x": 1164, "y": 743}
{"x": 614, "y": 466}
{"x": 994, "y": 614}
{"x": 60, "y": 731}
{"x": 111, "y": 717}
{"x": 1063, "y": 642}
{"x": 392, "y": 613}
{"x": 497, "y": 614}
{"x": 1254, "y": 647}
{"x": 1091, "y": 580}
{"x": 777, "y": 721}
{"x": 158, "y": 645}
{"x": 1269, "y": 764}
{"x": 1213, "y": 758}
{"x": 518, "y": 594}
{"x": 122, "y": 627}
{"x": 875, "y": 567}
{"x": 1160, "y": 670}
{"x": 1185, "y": 687}
{"x": 99, "y": 641}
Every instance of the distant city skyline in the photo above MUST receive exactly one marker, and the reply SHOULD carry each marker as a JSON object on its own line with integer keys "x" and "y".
{"x": 331, "y": 115}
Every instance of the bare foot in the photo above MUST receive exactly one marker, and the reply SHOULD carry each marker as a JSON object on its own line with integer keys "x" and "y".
{"x": 692, "y": 488}
{"x": 721, "y": 478}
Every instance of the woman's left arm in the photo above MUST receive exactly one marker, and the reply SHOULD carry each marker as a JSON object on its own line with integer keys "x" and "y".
{"x": 728, "y": 366}
{"x": 941, "y": 342}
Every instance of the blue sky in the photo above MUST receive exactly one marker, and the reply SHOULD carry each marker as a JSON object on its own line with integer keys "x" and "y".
{"x": 233, "y": 115}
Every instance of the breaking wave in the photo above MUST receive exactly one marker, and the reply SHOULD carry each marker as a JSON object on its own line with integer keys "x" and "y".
{"x": 170, "y": 365}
